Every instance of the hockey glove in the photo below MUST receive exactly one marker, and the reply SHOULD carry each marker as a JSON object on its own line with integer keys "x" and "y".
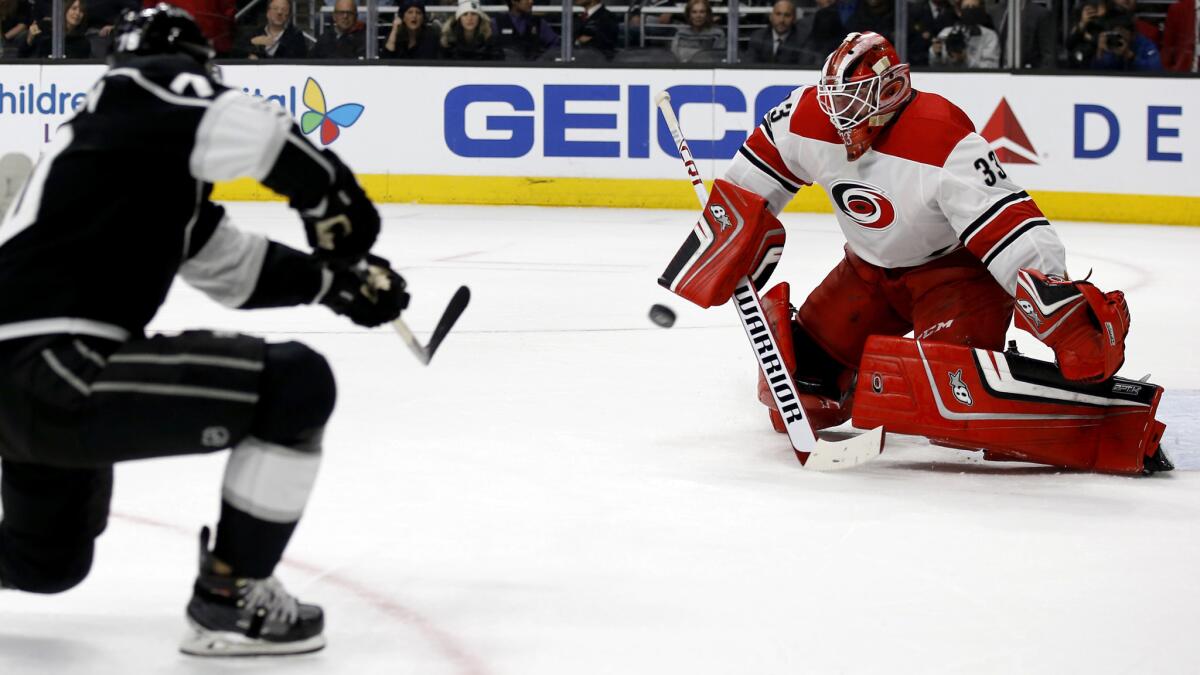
{"x": 1085, "y": 327}
{"x": 344, "y": 224}
{"x": 736, "y": 236}
{"x": 369, "y": 293}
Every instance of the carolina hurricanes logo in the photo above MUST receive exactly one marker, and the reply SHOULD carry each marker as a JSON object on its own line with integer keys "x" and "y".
{"x": 865, "y": 204}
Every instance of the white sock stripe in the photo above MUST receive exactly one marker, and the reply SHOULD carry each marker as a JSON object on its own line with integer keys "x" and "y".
{"x": 194, "y": 359}
{"x": 270, "y": 481}
{"x": 89, "y": 354}
{"x": 63, "y": 372}
{"x": 174, "y": 390}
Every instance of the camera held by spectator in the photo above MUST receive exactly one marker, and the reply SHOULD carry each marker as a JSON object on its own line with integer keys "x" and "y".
{"x": 1120, "y": 47}
{"x": 955, "y": 44}
{"x": 968, "y": 43}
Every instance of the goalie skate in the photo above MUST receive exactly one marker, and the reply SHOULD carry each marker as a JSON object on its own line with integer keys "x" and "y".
{"x": 231, "y": 616}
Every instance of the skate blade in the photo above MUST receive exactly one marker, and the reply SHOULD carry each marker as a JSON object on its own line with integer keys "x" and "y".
{"x": 209, "y": 643}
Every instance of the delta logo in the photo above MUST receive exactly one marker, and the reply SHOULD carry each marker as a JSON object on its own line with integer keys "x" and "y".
{"x": 319, "y": 116}
{"x": 1004, "y": 134}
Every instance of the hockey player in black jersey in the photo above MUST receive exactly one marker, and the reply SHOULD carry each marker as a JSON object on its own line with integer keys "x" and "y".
{"x": 116, "y": 208}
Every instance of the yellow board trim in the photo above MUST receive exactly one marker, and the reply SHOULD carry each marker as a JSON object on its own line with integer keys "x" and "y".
{"x": 658, "y": 193}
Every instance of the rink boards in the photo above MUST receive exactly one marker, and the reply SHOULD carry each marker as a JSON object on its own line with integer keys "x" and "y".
{"x": 1088, "y": 148}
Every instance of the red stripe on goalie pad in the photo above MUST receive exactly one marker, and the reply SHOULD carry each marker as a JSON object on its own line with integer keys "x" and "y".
{"x": 1011, "y": 407}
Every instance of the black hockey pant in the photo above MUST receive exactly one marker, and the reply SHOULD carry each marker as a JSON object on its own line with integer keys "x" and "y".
{"x": 71, "y": 407}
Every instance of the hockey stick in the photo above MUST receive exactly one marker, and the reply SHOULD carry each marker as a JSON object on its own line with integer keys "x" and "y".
{"x": 424, "y": 354}
{"x": 812, "y": 452}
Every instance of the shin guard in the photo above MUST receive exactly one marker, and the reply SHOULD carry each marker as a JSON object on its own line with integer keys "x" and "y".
{"x": 1011, "y": 407}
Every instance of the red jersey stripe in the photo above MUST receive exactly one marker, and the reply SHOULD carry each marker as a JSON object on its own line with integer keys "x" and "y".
{"x": 765, "y": 150}
{"x": 1001, "y": 225}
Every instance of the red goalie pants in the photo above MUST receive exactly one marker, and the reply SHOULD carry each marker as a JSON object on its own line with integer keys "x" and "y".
{"x": 952, "y": 299}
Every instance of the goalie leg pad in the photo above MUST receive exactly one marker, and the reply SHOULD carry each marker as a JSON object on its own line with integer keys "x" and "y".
{"x": 824, "y": 385}
{"x": 736, "y": 236}
{"x": 1009, "y": 406}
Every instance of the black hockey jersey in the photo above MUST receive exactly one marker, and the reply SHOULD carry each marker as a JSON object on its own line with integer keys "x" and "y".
{"x": 118, "y": 205}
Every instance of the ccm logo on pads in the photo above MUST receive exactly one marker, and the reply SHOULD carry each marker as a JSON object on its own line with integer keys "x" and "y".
{"x": 865, "y": 204}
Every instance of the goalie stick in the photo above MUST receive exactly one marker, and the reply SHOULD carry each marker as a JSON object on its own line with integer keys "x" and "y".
{"x": 812, "y": 452}
{"x": 425, "y": 353}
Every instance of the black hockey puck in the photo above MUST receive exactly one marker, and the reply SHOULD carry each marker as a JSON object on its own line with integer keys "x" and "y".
{"x": 662, "y": 316}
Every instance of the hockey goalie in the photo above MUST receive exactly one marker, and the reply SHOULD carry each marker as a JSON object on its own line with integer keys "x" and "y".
{"x": 940, "y": 242}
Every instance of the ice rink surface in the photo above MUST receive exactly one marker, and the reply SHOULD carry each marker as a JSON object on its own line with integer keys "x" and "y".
{"x": 569, "y": 490}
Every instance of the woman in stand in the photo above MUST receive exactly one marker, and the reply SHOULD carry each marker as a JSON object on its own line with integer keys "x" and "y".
{"x": 469, "y": 37}
{"x": 76, "y": 45}
{"x": 412, "y": 36}
{"x": 699, "y": 34}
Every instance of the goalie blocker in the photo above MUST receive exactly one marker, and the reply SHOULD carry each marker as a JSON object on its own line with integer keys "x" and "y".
{"x": 1011, "y": 407}
{"x": 736, "y": 236}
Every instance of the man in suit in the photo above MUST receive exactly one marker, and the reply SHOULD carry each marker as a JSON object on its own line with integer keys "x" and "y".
{"x": 347, "y": 39}
{"x": 784, "y": 40}
{"x": 596, "y": 28}
{"x": 1037, "y": 34}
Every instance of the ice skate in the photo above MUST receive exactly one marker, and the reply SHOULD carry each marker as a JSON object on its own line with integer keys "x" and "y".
{"x": 230, "y": 616}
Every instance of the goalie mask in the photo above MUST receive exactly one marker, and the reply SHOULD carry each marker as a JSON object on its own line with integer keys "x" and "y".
{"x": 162, "y": 29}
{"x": 863, "y": 85}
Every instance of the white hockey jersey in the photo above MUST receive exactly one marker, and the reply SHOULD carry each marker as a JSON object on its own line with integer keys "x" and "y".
{"x": 928, "y": 186}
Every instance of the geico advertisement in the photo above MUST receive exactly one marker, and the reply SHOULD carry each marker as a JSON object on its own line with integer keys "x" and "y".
{"x": 1074, "y": 133}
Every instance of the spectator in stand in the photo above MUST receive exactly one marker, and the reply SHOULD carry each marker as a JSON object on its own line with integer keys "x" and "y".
{"x": 14, "y": 21}
{"x": 1038, "y": 45}
{"x": 877, "y": 16}
{"x": 1179, "y": 37}
{"x": 784, "y": 41}
{"x": 828, "y": 31}
{"x": 968, "y": 43}
{"x": 412, "y": 36}
{"x": 699, "y": 35}
{"x": 37, "y": 42}
{"x": 926, "y": 21}
{"x": 1084, "y": 39}
{"x": 278, "y": 38}
{"x": 214, "y": 17}
{"x": 1147, "y": 29}
{"x": 523, "y": 34}
{"x": 347, "y": 39}
{"x": 596, "y": 28}
{"x": 1121, "y": 47}
{"x": 469, "y": 37}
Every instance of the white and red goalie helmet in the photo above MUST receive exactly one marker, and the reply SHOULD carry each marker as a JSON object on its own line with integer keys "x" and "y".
{"x": 863, "y": 84}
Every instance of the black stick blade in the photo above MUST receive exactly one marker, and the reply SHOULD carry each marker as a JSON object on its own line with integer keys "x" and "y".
{"x": 458, "y": 304}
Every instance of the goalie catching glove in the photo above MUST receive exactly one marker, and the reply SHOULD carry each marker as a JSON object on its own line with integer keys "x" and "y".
{"x": 736, "y": 236}
{"x": 1085, "y": 327}
{"x": 369, "y": 293}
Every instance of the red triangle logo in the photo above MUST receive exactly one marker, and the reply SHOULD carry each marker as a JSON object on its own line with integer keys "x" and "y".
{"x": 1002, "y": 131}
